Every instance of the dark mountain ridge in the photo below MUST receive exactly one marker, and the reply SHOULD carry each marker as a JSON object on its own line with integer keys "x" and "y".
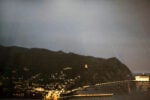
{"x": 46, "y": 61}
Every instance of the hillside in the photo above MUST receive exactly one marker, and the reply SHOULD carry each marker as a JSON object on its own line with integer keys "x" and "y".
{"x": 44, "y": 61}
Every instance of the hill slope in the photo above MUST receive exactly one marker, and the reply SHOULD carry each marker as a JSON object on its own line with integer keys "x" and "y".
{"x": 46, "y": 61}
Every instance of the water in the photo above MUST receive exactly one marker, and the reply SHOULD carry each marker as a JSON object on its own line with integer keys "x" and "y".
{"x": 145, "y": 96}
{"x": 141, "y": 92}
{"x": 19, "y": 99}
{"x": 137, "y": 96}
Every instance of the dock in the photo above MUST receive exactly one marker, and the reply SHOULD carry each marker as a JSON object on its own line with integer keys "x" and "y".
{"x": 94, "y": 95}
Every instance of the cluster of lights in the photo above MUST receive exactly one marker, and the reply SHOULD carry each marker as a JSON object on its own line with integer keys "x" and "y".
{"x": 142, "y": 78}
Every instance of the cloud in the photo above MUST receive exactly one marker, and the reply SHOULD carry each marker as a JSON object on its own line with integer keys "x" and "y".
{"x": 99, "y": 28}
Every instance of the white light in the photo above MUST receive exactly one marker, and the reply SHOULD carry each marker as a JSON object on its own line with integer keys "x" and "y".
{"x": 142, "y": 78}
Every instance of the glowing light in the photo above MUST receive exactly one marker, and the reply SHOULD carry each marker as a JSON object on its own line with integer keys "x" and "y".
{"x": 85, "y": 66}
{"x": 142, "y": 78}
{"x": 39, "y": 89}
{"x": 53, "y": 95}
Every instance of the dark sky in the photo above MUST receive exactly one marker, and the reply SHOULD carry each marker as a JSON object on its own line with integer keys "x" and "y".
{"x": 101, "y": 28}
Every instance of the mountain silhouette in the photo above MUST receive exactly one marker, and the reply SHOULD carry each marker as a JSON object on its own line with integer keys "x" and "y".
{"x": 38, "y": 60}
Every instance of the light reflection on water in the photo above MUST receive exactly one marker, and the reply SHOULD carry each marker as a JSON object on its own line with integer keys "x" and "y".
{"x": 138, "y": 96}
{"x": 131, "y": 96}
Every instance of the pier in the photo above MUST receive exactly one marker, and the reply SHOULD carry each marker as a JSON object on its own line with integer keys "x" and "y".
{"x": 93, "y": 95}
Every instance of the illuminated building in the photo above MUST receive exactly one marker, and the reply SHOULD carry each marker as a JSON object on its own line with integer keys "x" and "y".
{"x": 142, "y": 78}
{"x": 142, "y": 82}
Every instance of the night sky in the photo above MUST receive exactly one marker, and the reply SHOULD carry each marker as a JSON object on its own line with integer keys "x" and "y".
{"x": 100, "y": 28}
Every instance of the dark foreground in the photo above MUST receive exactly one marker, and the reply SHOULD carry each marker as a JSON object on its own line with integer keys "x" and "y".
{"x": 135, "y": 96}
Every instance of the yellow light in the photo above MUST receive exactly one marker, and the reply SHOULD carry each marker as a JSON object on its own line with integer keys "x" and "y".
{"x": 85, "y": 66}
{"x": 39, "y": 89}
{"x": 142, "y": 78}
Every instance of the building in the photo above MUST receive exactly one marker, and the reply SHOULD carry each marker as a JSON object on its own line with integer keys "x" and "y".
{"x": 142, "y": 78}
{"x": 142, "y": 82}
